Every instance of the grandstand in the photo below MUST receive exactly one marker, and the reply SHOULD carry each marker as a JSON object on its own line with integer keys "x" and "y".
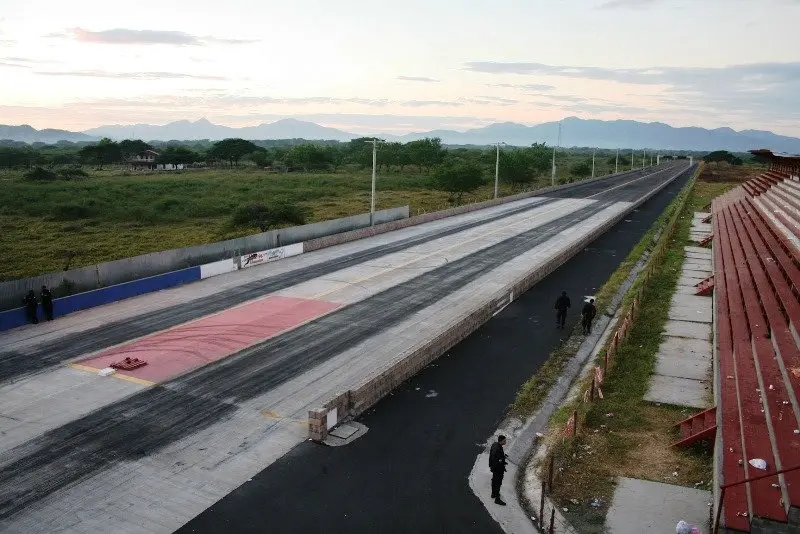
{"x": 756, "y": 242}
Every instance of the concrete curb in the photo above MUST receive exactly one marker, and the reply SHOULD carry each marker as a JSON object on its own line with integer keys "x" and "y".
{"x": 353, "y": 402}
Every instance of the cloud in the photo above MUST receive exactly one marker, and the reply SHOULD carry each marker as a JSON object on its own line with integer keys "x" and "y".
{"x": 423, "y": 79}
{"x": 767, "y": 91}
{"x": 12, "y": 65}
{"x": 523, "y": 86}
{"x": 130, "y": 75}
{"x": 426, "y": 103}
{"x": 124, "y": 36}
{"x": 489, "y": 100}
{"x": 615, "y": 4}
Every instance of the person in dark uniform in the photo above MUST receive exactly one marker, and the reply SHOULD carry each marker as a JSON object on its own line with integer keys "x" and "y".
{"x": 497, "y": 464}
{"x": 562, "y": 305}
{"x": 47, "y": 303}
{"x": 31, "y": 307}
{"x": 587, "y": 313}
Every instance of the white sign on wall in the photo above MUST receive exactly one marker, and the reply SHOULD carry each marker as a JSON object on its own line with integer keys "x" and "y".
{"x": 273, "y": 254}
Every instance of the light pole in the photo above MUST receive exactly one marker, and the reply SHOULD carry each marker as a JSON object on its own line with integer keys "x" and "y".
{"x": 594, "y": 153}
{"x": 374, "y": 170}
{"x": 633, "y": 158}
{"x": 644, "y": 155}
{"x": 553, "y": 173}
{"x": 497, "y": 169}
{"x": 616, "y": 163}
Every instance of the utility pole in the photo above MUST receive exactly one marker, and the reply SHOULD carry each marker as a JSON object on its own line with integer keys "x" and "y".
{"x": 497, "y": 169}
{"x": 594, "y": 153}
{"x": 616, "y": 163}
{"x": 374, "y": 169}
{"x": 553, "y": 174}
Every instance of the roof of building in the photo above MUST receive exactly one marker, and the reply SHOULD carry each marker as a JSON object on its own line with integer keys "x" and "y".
{"x": 766, "y": 153}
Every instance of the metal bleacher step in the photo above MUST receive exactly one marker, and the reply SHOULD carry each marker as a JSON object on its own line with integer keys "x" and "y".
{"x": 701, "y": 426}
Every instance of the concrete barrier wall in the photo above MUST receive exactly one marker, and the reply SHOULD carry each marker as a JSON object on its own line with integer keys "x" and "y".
{"x": 156, "y": 263}
{"x": 356, "y": 401}
{"x": 89, "y": 299}
{"x": 346, "y": 237}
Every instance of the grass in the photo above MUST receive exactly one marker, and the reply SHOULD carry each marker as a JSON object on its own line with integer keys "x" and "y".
{"x": 533, "y": 392}
{"x": 115, "y": 213}
{"x": 622, "y": 434}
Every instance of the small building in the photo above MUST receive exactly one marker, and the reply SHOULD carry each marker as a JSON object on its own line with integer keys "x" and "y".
{"x": 146, "y": 159}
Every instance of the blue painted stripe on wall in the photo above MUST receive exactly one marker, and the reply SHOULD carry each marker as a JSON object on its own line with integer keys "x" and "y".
{"x": 82, "y": 301}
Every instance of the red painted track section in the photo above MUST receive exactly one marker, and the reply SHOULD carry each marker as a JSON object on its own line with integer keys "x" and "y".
{"x": 176, "y": 351}
{"x": 757, "y": 277}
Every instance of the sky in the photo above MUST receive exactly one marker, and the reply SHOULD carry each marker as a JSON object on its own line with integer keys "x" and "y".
{"x": 397, "y": 67}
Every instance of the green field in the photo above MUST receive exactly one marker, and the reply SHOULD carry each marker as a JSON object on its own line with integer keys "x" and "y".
{"x": 115, "y": 213}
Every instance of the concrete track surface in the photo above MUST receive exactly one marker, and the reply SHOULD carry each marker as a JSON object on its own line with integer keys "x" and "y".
{"x": 82, "y": 453}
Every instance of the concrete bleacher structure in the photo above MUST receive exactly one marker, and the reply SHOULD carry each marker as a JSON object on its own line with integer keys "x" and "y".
{"x": 756, "y": 229}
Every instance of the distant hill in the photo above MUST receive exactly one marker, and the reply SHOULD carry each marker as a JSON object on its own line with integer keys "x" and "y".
{"x": 29, "y": 134}
{"x": 619, "y": 133}
{"x": 204, "y": 129}
{"x": 575, "y": 132}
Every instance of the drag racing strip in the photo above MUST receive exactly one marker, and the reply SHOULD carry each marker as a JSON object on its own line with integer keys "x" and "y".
{"x": 180, "y": 349}
{"x": 207, "y": 430}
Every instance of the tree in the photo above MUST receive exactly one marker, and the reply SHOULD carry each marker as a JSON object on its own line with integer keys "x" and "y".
{"x": 177, "y": 155}
{"x": 458, "y": 178}
{"x": 232, "y": 150}
{"x": 425, "y": 153}
{"x": 723, "y": 156}
{"x": 581, "y": 170}
{"x": 105, "y": 152}
{"x": 131, "y": 147}
{"x": 522, "y": 165}
{"x": 624, "y": 162}
{"x": 260, "y": 157}
{"x": 266, "y": 215}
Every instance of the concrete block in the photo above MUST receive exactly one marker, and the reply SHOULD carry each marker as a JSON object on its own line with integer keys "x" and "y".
{"x": 686, "y": 347}
{"x": 644, "y": 506}
{"x": 698, "y": 250}
{"x": 688, "y": 329}
{"x": 678, "y": 391}
{"x": 690, "y": 308}
{"x": 683, "y": 367}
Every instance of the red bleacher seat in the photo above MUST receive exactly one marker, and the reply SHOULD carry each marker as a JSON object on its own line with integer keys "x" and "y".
{"x": 757, "y": 297}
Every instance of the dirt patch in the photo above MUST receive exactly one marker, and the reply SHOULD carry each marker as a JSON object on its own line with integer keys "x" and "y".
{"x": 725, "y": 172}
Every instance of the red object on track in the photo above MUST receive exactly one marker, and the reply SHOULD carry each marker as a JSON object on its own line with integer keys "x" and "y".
{"x": 173, "y": 352}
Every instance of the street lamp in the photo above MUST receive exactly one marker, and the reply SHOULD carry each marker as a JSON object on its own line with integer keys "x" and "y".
{"x": 553, "y": 173}
{"x": 374, "y": 169}
{"x": 594, "y": 152}
{"x": 616, "y": 163}
{"x": 497, "y": 168}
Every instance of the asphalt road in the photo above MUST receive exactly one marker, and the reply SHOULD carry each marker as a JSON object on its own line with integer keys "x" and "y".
{"x": 161, "y": 415}
{"x": 409, "y": 472}
{"x": 17, "y": 363}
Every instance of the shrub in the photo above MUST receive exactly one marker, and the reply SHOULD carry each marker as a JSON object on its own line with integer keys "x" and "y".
{"x": 72, "y": 173}
{"x": 72, "y": 212}
{"x": 39, "y": 173}
{"x": 266, "y": 215}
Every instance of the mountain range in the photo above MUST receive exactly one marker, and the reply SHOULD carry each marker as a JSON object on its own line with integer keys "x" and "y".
{"x": 575, "y": 132}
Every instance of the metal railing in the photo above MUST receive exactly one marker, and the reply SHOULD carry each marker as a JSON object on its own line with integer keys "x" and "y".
{"x": 715, "y": 527}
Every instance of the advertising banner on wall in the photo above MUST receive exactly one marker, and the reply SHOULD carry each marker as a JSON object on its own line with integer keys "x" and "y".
{"x": 273, "y": 254}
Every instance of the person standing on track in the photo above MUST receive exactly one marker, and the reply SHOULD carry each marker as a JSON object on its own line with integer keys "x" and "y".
{"x": 587, "y": 314}
{"x": 562, "y": 305}
{"x": 47, "y": 303}
{"x": 497, "y": 465}
{"x": 31, "y": 307}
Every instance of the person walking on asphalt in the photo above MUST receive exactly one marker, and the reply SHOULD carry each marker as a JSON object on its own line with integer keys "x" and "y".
{"x": 587, "y": 313}
{"x": 497, "y": 464}
{"x": 562, "y": 305}
{"x": 31, "y": 307}
{"x": 47, "y": 303}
